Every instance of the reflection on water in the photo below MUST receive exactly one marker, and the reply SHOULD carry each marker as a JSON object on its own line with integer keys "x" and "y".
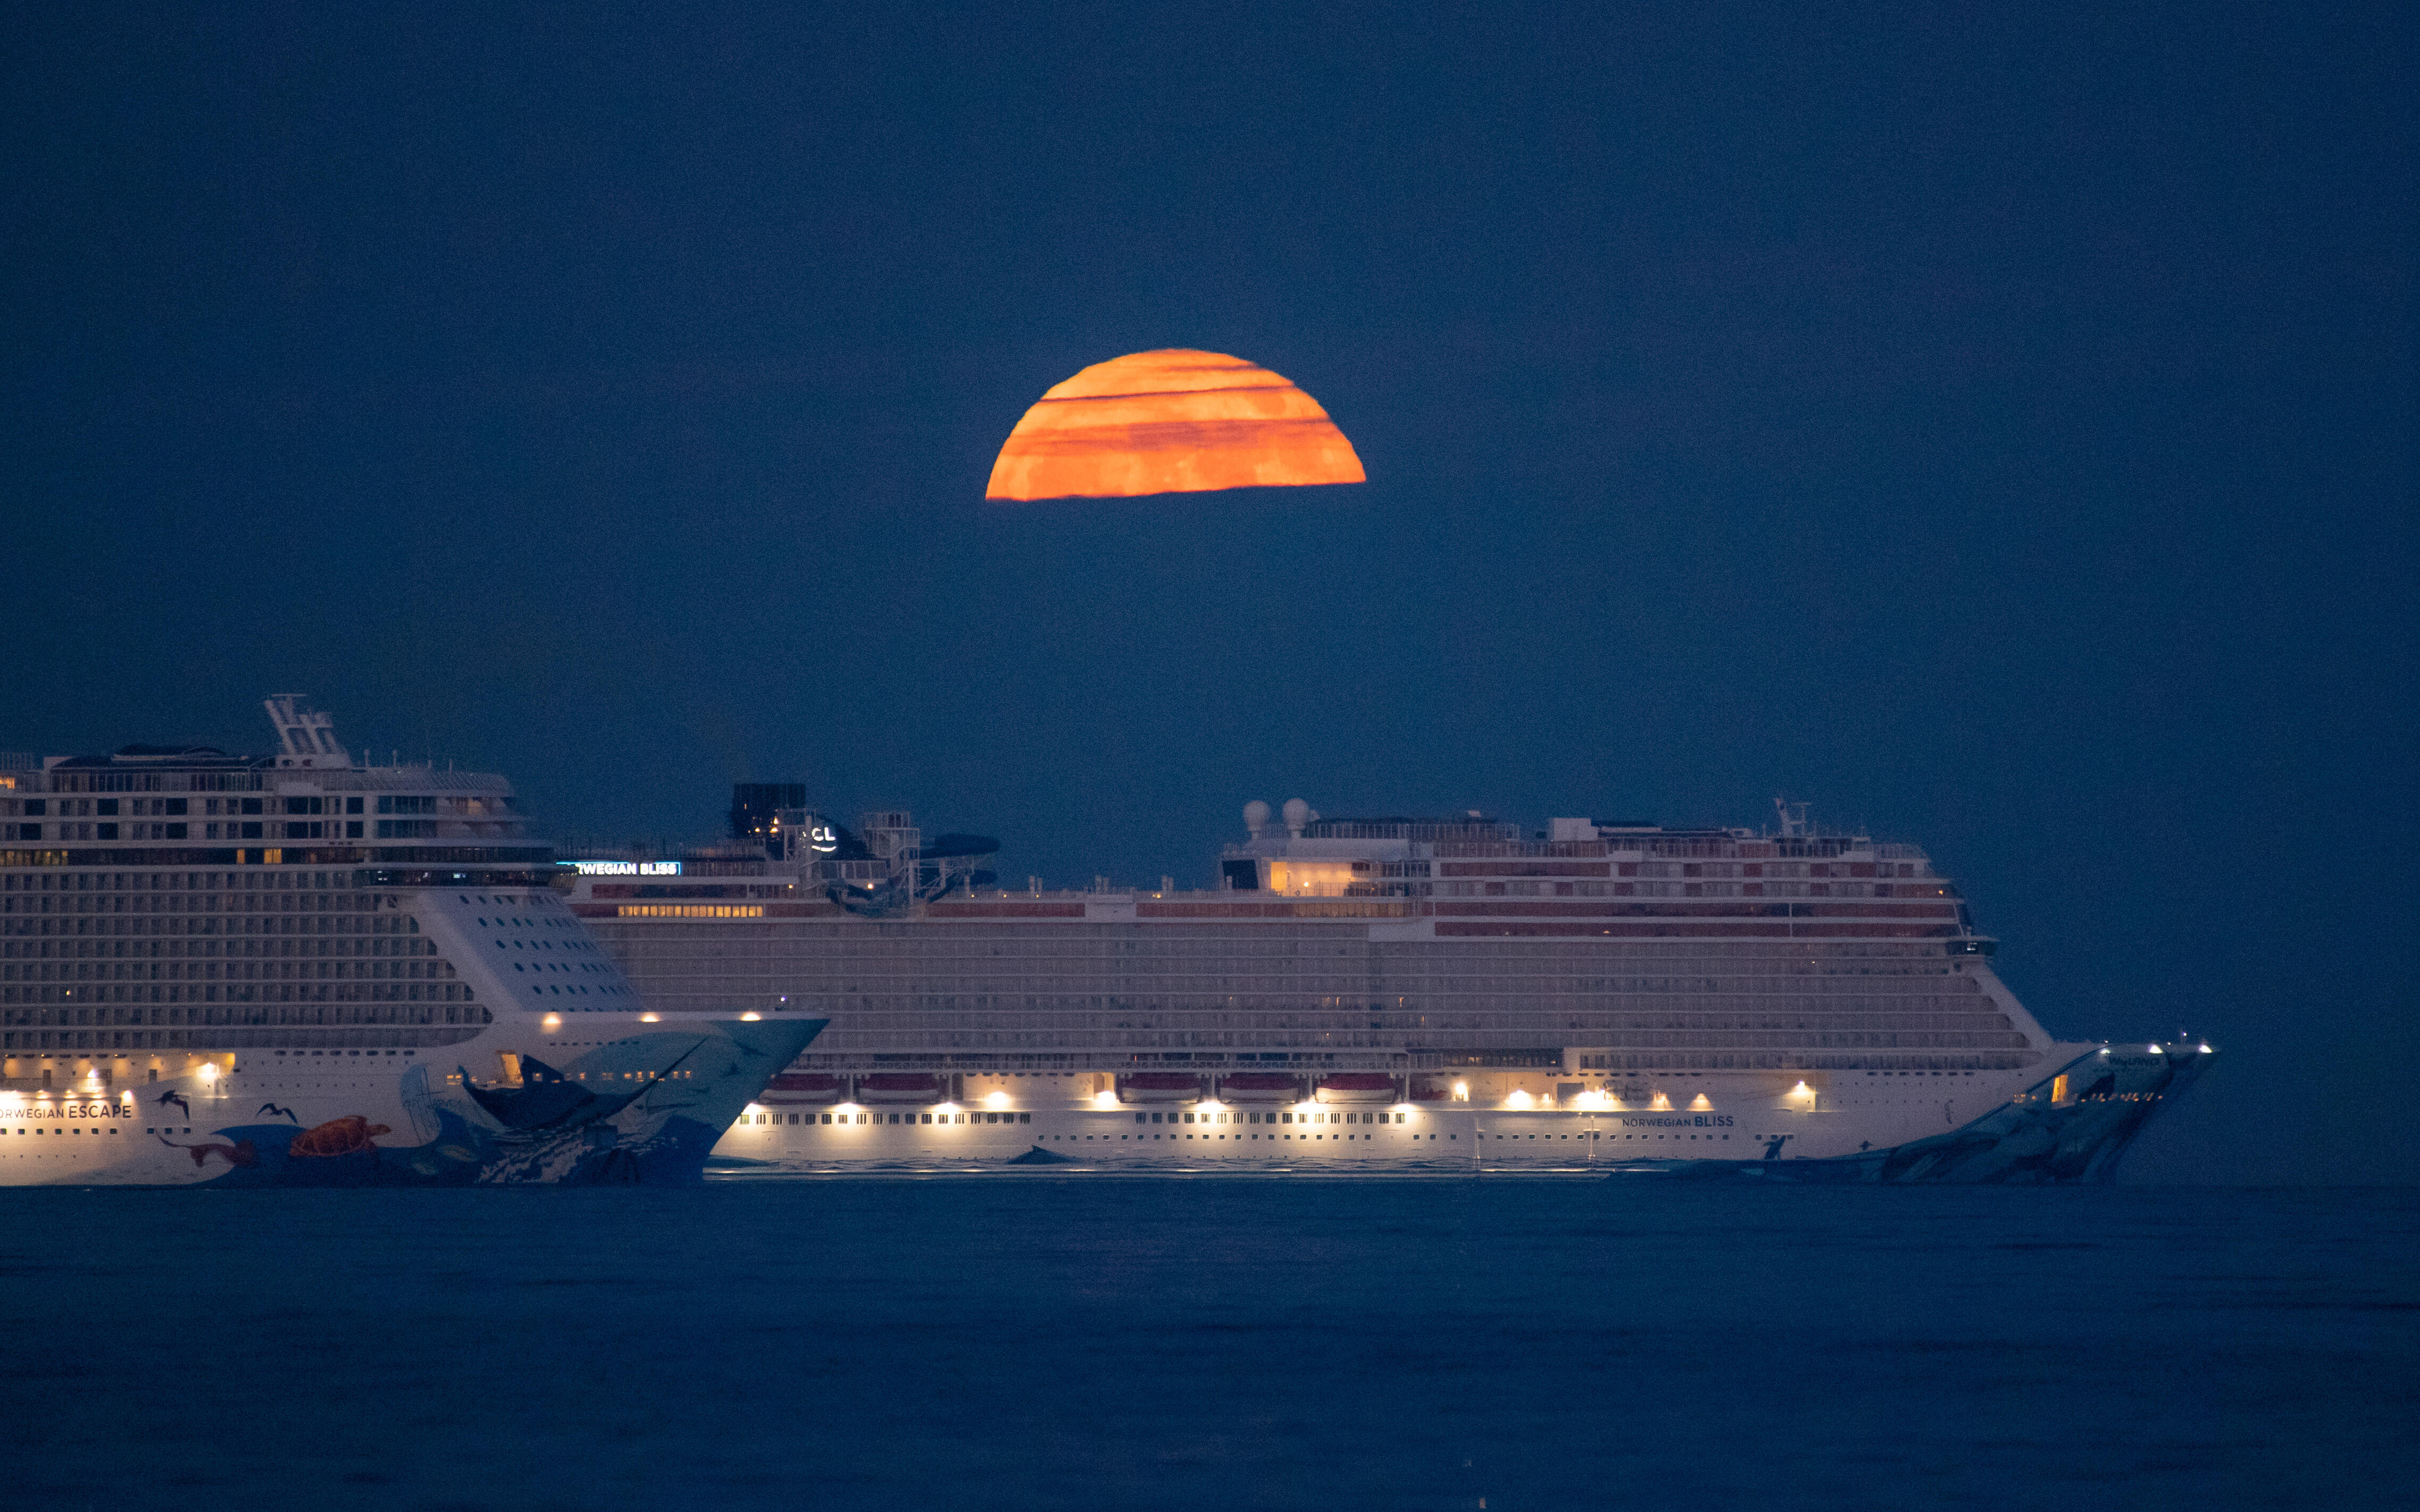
{"x": 1047, "y": 1339}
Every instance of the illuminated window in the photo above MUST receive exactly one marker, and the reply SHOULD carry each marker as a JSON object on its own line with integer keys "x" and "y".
{"x": 690, "y": 911}
{"x": 1310, "y": 879}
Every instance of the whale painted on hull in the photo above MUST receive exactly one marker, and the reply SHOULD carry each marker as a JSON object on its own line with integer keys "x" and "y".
{"x": 641, "y": 1108}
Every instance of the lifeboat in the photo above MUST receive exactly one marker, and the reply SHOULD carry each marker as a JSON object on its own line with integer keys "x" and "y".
{"x": 812, "y": 1089}
{"x": 1159, "y": 1087}
{"x": 1424, "y": 1091}
{"x": 897, "y": 1086}
{"x": 1260, "y": 1086}
{"x": 1356, "y": 1086}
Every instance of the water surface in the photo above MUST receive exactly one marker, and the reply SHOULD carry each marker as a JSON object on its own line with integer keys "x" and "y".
{"x": 1039, "y": 1339}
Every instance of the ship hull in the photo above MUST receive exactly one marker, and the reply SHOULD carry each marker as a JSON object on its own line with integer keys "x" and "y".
{"x": 599, "y": 1100}
{"x": 2070, "y": 1126}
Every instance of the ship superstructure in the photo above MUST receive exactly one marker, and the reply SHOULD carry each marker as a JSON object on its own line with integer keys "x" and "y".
{"x": 304, "y": 968}
{"x": 1380, "y": 991}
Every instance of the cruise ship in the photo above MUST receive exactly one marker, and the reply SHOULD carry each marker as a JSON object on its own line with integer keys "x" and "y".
{"x": 302, "y": 969}
{"x": 1383, "y": 992}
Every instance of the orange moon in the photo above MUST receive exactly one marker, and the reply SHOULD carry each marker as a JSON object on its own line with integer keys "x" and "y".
{"x": 1171, "y": 421}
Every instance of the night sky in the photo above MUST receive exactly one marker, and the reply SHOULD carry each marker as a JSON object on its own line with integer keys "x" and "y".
{"x": 1995, "y": 430}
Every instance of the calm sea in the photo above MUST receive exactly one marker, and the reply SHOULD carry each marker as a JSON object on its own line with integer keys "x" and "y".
{"x": 1043, "y": 1340}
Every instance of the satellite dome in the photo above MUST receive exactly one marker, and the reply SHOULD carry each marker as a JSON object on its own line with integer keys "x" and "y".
{"x": 1298, "y": 813}
{"x": 1256, "y": 817}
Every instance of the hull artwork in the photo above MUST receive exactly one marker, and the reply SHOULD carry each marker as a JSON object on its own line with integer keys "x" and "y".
{"x": 2070, "y": 1129}
{"x": 641, "y": 1108}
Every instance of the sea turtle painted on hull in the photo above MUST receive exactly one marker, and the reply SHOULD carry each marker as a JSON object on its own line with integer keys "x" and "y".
{"x": 342, "y": 1136}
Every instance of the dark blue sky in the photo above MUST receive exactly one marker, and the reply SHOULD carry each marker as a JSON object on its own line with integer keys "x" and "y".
{"x": 1997, "y": 430}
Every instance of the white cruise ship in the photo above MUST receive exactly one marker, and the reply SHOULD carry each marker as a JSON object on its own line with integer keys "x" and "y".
{"x": 305, "y": 970}
{"x": 1385, "y": 992}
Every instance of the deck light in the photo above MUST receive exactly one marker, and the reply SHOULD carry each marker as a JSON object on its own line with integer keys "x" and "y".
{"x": 1462, "y": 1092}
{"x": 996, "y": 1100}
{"x": 1700, "y": 1103}
{"x": 1105, "y": 1099}
{"x": 650, "y": 1018}
{"x": 750, "y": 1018}
{"x": 1519, "y": 1098}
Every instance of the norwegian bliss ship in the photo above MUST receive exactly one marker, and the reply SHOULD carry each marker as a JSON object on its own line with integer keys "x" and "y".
{"x": 302, "y": 969}
{"x": 1375, "y": 993}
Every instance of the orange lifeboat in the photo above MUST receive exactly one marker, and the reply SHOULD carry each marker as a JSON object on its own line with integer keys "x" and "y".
{"x": 897, "y": 1086}
{"x": 1356, "y": 1086}
{"x": 1260, "y": 1086}
{"x": 812, "y": 1089}
{"x": 1159, "y": 1087}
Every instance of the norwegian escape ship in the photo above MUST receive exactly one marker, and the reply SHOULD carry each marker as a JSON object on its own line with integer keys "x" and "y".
{"x": 304, "y": 969}
{"x": 1376, "y": 993}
